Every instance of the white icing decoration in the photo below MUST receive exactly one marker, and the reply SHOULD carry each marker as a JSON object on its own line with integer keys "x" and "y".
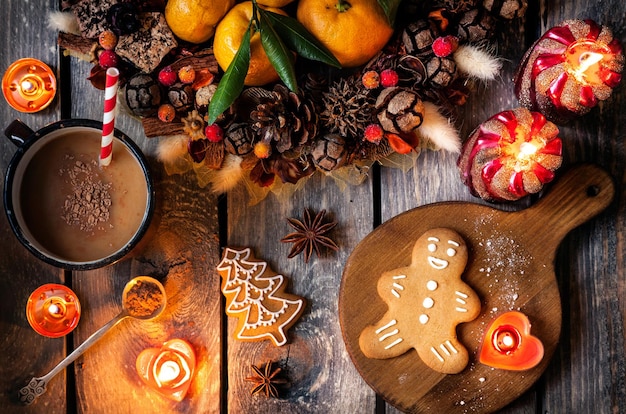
{"x": 461, "y": 294}
{"x": 432, "y": 247}
{"x": 424, "y": 319}
{"x": 394, "y": 343}
{"x": 395, "y": 293}
{"x": 389, "y": 324}
{"x": 431, "y": 285}
{"x": 461, "y": 301}
{"x": 398, "y": 286}
{"x": 439, "y": 357}
{"x": 387, "y": 335}
{"x": 450, "y": 252}
{"x": 437, "y": 263}
{"x": 399, "y": 277}
{"x": 428, "y": 303}
{"x": 463, "y": 310}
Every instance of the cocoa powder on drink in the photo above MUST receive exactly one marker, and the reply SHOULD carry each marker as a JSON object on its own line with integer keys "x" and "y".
{"x": 88, "y": 204}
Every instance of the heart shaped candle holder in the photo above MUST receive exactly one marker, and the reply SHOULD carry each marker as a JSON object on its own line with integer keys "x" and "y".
{"x": 509, "y": 345}
{"x": 169, "y": 369}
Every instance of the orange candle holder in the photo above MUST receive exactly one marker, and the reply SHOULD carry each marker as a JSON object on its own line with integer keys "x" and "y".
{"x": 169, "y": 369}
{"x": 29, "y": 85}
{"x": 53, "y": 310}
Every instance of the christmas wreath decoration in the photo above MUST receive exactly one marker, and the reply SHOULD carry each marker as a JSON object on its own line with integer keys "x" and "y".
{"x": 317, "y": 118}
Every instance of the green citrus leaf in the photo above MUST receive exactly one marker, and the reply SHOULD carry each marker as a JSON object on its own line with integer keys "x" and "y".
{"x": 231, "y": 84}
{"x": 390, "y": 7}
{"x": 278, "y": 54}
{"x": 298, "y": 39}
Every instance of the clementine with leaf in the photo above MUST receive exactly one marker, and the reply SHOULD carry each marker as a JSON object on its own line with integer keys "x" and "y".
{"x": 228, "y": 36}
{"x": 353, "y": 30}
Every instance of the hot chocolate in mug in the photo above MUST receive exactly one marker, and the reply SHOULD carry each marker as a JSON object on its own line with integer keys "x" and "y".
{"x": 64, "y": 207}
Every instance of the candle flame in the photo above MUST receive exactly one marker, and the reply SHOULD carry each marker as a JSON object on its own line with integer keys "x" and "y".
{"x": 168, "y": 371}
{"x": 586, "y": 61}
{"x": 27, "y": 86}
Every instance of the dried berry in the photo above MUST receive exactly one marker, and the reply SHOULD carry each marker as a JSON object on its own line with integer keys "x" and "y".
{"x": 167, "y": 76}
{"x": 388, "y": 78}
{"x": 108, "y": 59}
{"x": 371, "y": 79}
{"x": 214, "y": 133}
{"x": 373, "y": 133}
{"x": 445, "y": 45}
{"x": 108, "y": 40}
{"x": 166, "y": 113}
{"x": 187, "y": 74}
{"x": 262, "y": 149}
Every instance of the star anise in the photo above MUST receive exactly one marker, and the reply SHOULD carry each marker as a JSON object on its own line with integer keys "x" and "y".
{"x": 265, "y": 380}
{"x": 309, "y": 235}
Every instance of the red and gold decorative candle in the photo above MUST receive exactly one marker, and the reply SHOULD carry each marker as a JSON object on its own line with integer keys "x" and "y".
{"x": 53, "y": 310}
{"x": 511, "y": 155}
{"x": 569, "y": 70}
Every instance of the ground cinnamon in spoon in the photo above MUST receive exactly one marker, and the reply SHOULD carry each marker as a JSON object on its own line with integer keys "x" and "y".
{"x": 143, "y": 299}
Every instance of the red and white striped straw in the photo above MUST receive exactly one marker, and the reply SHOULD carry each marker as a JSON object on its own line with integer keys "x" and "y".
{"x": 108, "y": 122}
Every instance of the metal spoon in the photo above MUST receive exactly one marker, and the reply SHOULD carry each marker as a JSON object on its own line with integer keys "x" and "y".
{"x": 134, "y": 307}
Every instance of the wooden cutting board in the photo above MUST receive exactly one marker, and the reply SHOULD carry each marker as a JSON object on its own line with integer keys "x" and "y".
{"x": 510, "y": 267}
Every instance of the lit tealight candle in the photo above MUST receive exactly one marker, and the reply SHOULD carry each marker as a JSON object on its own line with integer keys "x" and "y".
{"x": 569, "y": 69}
{"x": 53, "y": 310}
{"x": 511, "y": 155}
{"x": 170, "y": 369}
{"x": 28, "y": 85}
{"x": 509, "y": 345}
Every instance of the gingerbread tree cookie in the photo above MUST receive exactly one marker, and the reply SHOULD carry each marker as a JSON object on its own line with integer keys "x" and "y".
{"x": 256, "y": 295}
{"x": 426, "y": 301}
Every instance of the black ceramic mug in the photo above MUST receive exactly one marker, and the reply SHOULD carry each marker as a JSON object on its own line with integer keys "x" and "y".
{"x": 64, "y": 207}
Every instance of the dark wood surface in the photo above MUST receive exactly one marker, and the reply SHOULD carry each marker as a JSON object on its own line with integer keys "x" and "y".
{"x": 586, "y": 373}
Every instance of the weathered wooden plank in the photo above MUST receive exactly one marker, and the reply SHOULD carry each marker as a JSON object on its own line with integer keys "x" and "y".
{"x": 588, "y": 370}
{"x": 25, "y": 354}
{"x": 181, "y": 249}
{"x": 322, "y": 377}
{"x": 436, "y": 178}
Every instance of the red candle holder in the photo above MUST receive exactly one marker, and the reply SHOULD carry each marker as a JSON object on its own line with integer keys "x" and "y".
{"x": 53, "y": 310}
{"x": 509, "y": 345}
{"x": 29, "y": 85}
{"x": 511, "y": 155}
{"x": 569, "y": 70}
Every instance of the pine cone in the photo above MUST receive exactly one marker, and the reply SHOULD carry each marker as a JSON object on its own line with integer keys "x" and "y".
{"x": 282, "y": 117}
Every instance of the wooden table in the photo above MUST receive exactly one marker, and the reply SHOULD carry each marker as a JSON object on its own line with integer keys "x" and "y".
{"x": 586, "y": 374}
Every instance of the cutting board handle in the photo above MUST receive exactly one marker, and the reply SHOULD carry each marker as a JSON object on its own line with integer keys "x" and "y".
{"x": 580, "y": 194}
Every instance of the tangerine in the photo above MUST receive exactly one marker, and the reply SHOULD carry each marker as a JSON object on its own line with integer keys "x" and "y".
{"x": 354, "y": 31}
{"x": 194, "y": 21}
{"x": 228, "y": 37}
{"x": 274, "y": 3}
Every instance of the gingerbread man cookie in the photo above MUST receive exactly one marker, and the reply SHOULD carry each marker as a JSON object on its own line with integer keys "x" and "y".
{"x": 426, "y": 301}
{"x": 256, "y": 295}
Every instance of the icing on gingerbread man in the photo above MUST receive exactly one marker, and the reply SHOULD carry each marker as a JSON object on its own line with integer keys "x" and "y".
{"x": 426, "y": 301}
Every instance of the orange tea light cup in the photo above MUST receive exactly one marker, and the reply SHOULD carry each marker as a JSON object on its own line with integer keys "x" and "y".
{"x": 53, "y": 310}
{"x": 29, "y": 85}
